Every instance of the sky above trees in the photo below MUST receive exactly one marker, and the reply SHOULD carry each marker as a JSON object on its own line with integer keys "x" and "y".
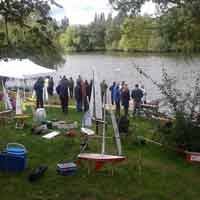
{"x": 82, "y": 12}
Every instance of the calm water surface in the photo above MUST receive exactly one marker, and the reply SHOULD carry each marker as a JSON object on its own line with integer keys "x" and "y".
{"x": 120, "y": 67}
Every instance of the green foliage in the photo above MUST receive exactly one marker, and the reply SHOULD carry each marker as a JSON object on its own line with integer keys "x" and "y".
{"x": 137, "y": 33}
{"x": 112, "y": 36}
{"x": 179, "y": 30}
{"x": 182, "y": 134}
{"x": 133, "y": 7}
{"x": 27, "y": 30}
{"x": 184, "y": 109}
{"x": 68, "y": 39}
{"x": 177, "y": 27}
{"x": 83, "y": 42}
{"x": 97, "y": 32}
{"x": 85, "y": 38}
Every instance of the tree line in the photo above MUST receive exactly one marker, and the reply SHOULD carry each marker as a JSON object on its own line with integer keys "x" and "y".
{"x": 27, "y": 30}
{"x": 176, "y": 30}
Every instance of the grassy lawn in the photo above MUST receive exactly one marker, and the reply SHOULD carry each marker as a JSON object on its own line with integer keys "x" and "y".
{"x": 150, "y": 172}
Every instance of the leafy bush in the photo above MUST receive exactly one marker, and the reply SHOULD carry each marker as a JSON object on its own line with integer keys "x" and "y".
{"x": 184, "y": 132}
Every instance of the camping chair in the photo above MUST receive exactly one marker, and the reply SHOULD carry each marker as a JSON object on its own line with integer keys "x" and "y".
{"x": 21, "y": 120}
{"x": 5, "y": 117}
{"x": 20, "y": 117}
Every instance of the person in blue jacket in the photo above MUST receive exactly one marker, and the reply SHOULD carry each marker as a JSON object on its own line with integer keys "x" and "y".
{"x": 38, "y": 87}
{"x": 112, "y": 90}
{"x": 117, "y": 99}
{"x": 62, "y": 90}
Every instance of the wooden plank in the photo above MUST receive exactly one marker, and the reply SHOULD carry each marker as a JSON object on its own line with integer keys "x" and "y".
{"x": 51, "y": 135}
{"x": 116, "y": 131}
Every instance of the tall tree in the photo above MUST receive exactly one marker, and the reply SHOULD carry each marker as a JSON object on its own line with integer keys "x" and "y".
{"x": 31, "y": 23}
{"x": 64, "y": 23}
{"x": 97, "y": 32}
{"x": 180, "y": 30}
{"x": 134, "y": 6}
{"x": 137, "y": 33}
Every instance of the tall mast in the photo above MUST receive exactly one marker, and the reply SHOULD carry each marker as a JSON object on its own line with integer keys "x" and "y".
{"x": 94, "y": 100}
{"x": 104, "y": 126}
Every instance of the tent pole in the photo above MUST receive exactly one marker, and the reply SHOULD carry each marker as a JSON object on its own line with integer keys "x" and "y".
{"x": 24, "y": 89}
{"x": 104, "y": 126}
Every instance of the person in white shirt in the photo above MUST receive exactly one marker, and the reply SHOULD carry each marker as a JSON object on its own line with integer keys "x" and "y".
{"x": 144, "y": 98}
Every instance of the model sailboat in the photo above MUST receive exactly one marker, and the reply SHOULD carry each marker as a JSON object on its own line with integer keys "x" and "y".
{"x": 7, "y": 102}
{"x": 98, "y": 111}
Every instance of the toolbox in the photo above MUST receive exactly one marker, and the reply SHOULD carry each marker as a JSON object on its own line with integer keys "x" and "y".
{"x": 66, "y": 169}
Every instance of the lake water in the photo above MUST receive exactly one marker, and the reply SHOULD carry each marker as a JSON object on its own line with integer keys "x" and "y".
{"x": 120, "y": 67}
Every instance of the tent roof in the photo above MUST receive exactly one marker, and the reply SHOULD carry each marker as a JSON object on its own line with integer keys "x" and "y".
{"x": 22, "y": 69}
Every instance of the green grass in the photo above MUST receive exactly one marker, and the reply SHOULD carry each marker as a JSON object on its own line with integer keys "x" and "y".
{"x": 150, "y": 172}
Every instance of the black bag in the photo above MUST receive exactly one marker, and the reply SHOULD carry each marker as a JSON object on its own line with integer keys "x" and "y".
{"x": 123, "y": 124}
{"x": 37, "y": 173}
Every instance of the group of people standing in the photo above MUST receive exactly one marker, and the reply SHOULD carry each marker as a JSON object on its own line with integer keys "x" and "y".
{"x": 66, "y": 88}
{"x": 81, "y": 92}
{"x": 121, "y": 95}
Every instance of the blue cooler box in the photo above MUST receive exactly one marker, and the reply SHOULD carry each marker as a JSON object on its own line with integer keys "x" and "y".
{"x": 14, "y": 158}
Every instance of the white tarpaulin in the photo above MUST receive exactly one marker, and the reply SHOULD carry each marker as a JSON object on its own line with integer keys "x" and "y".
{"x": 23, "y": 69}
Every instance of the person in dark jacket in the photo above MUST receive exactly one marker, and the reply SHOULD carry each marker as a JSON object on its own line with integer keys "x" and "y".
{"x": 87, "y": 86}
{"x": 86, "y": 99}
{"x": 122, "y": 85}
{"x": 62, "y": 90}
{"x": 78, "y": 96}
{"x": 90, "y": 89}
{"x": 50, "y": 86}
{"x": 104, "y": 88}
{"x": 125, "y": 97}
{"x": 117, "y": 99}
{"x": 83, "y": 93}
{"x": 137, "y": 95}
{"x": 112, "y": 89}
{"x": 39, "y": 87}
{"x": 71, "y": 87}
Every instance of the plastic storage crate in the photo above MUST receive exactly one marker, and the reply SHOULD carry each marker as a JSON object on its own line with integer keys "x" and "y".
{"x": 66, "y": 169}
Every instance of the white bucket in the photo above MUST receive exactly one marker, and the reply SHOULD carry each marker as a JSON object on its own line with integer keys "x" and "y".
{"x": 40, "y": 115}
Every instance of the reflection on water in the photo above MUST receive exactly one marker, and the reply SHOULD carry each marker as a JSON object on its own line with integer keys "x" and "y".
{"x": 119, "y": 67}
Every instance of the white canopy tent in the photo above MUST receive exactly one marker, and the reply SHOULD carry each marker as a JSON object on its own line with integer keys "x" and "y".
{"x": 23, "y": 69}
{"x": 20, "y": 70}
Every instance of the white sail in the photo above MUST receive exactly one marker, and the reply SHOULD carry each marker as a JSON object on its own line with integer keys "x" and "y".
{"x": 87, "y": 120}
{"x": 18, "y": 103}
{"x": 95, "y": 101}
{"x": 45, "y": 92}
{"x": 91, "y": 106}
{"x": 6, "y": 99}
